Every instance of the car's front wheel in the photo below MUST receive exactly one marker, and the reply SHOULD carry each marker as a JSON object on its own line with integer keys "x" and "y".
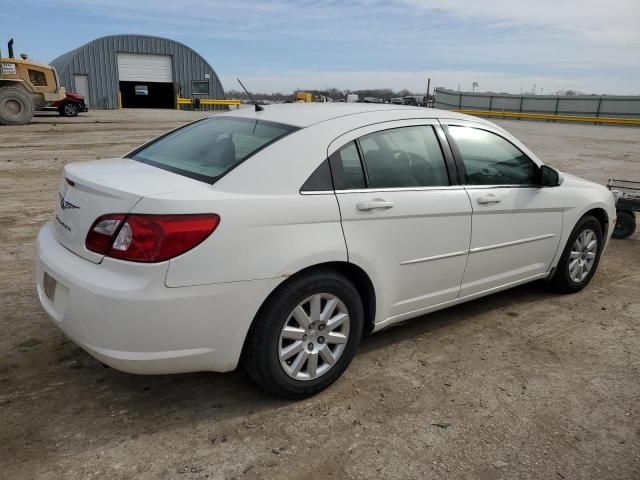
{"x": 580, "y": 257}
{"x": 305, "y": 335}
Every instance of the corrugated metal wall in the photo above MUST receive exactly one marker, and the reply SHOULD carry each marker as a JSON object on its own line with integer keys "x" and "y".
{"x": 97, "y": 60}
{"x": 589, "y": 105}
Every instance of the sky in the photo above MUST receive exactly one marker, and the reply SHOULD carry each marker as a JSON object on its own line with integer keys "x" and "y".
{"x": 592, "y": 46}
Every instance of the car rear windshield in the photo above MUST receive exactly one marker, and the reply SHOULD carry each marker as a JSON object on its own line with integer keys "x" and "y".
{"x": 207, "y": 149}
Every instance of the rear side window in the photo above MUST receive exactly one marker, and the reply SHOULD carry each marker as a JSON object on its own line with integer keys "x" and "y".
{"x": 320, "y": 179}
{"x": 404, "y": 157}
{"x": 208, "y": 149}
{"x": 347, "y": 168}
{"x": 491, "y": 160}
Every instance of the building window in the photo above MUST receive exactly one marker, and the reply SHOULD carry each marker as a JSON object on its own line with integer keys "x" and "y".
{"x": 141, "y": 90}
{"x": 37, "y": 78}
{"x": 200, "y": 87}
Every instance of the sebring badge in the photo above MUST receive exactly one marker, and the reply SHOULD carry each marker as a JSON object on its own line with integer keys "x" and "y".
{"x": 64, "y": 204}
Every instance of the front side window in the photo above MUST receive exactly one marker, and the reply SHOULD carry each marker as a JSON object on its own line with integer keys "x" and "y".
{"x": 37, "y": 78}
{"x": 208, "y": 149}
{"x": 491, "y": 160}
{"x": 404, "y": 157}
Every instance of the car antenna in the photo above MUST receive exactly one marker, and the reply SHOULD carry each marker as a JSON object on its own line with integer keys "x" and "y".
{"x": 258, "y": 107}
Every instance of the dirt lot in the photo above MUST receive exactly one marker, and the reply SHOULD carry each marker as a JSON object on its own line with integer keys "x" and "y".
{"x": 523, "y": 384}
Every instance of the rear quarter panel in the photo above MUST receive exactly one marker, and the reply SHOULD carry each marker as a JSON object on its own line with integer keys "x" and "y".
{"x": 260, "y": 236}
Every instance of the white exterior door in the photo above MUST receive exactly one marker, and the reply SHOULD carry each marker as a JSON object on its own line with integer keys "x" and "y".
{"x": 136, "y": 67}
{"x": 82, "y": 87}
{"x": 401, "y": 218}
{"x": 516, "y": 224}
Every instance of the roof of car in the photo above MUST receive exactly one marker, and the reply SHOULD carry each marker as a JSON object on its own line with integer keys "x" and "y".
{"x": 307, "y": 114}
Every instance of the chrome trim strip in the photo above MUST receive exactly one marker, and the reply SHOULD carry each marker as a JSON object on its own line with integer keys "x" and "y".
{"x": 435, "y": 257}
{"x": 444, "y": 187}
{"x": 514, "y": 242}
{"x": 401, "y": 189}
{"x": 316, "y": 192}
{"x": 498, "y": 210}
{"x": 486, "y": 187}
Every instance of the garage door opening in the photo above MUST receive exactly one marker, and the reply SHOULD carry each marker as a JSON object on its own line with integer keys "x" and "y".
{"x": 147, "y": 95}
{"x": 146, "y": 81}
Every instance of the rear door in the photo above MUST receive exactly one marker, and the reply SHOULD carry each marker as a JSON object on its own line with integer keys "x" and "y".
{"x": 517, "y": 224}
{"x": 403, "y": 219}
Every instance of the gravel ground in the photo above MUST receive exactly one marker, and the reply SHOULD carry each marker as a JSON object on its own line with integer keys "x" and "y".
{"x": 522, "y": 384}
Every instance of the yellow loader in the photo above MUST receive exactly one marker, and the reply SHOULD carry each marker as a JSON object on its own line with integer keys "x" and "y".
{"x": 25, "y": 87}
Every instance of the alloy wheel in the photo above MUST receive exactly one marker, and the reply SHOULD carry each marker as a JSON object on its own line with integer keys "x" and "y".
{"x": 70, "y": 110}
{"x": 314, "y": 336}
{"x": 583, "y": 255}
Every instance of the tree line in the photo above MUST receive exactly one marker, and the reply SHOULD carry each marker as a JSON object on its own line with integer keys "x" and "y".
{"x": 333, "y": 93}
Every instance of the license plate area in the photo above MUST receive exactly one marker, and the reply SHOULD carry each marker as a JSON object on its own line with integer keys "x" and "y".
{"x": 49, "y": 284}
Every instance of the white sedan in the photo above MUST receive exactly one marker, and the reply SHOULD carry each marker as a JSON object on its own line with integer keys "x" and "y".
{"x": 277, "y": 238}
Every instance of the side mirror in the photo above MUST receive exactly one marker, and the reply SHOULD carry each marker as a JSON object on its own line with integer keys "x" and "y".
{"x": 549, "y": 177}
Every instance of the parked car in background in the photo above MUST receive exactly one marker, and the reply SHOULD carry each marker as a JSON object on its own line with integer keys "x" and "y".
{"x": 72, "y": 104}
{"x": 277, "y": 238}
{"x": 414, "y": 100}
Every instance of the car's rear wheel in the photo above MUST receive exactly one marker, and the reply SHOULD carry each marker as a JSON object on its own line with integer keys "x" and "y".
{"x": 580, "y": 257}
{"x": 305, "y": 335}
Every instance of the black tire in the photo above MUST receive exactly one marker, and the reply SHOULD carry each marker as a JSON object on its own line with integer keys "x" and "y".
{"x": 260, "y": 355}
{"x": 625, "y": 224}
{"x": 69, "y": 109}
{"x": 562, "y": 281}
{"x": 16, "y": 106}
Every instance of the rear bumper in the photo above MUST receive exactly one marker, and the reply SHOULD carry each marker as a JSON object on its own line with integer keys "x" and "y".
{"x": 123, "y": 314}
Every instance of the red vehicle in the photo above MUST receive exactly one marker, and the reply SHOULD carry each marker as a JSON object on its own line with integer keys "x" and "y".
{"x": 72, "y": 104}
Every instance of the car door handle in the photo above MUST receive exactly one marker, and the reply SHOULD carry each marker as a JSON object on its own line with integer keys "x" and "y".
{"x": 373, "y": 204}
{"x": 486, "y": 199}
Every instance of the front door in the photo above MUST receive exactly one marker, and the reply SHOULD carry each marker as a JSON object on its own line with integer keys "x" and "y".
{"x": 516, "y": 223}
{"x": 401, "y": 216}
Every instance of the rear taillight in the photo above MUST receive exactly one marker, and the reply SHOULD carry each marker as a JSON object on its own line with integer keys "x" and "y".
{"x": 149, "y": 238}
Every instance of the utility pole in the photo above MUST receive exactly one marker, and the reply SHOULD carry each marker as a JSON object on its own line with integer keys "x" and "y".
{"x": 426, "y": 97}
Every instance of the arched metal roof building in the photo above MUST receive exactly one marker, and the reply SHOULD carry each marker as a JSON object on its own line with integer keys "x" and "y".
{"x": 137, "y": 71}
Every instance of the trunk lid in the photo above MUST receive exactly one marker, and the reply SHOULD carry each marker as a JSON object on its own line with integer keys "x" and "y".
{"x": 91, "y": 189}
